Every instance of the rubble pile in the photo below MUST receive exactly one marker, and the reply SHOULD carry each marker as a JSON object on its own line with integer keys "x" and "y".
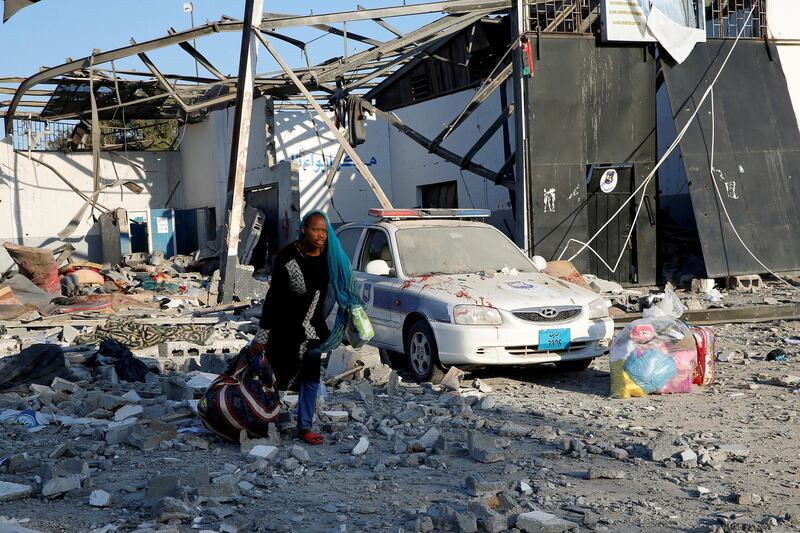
{"x": 539, "y": 451}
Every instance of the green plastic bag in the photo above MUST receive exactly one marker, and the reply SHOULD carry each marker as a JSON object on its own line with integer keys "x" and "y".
{"x": 359, "y": 328}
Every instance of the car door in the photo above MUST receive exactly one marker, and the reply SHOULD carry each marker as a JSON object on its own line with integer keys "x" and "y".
{"x": 377, "y": 292}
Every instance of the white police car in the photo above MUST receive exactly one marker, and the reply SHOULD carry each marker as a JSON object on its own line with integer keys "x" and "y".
{"x": 448, "y": 291}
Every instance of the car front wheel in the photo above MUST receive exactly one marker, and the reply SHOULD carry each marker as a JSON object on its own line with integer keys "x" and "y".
{"x": 422, "y": 354}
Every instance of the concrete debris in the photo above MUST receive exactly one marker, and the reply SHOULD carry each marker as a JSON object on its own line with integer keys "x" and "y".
{"x": 452, "y": 380}
{"x": 13, "y": 491}
{"x": 541, "y": 522}
{"x": 128, "y": 411}
{"x": 263, "y": 452}
{"x": 361, "y": 447}
{"x": 100, "y": 498}
{"x": 60, "y": 485}
{"x": 506, "y": 450}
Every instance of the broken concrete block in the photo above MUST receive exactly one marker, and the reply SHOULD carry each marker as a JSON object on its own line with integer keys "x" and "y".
{"x": 424, "y": 442}
{"x": 702, "y": 286}
{"x": 9, "y": 347}
{"x": 478, "y": 486}
{"x": 361, "y": 447}
{"x": 118, "y": 433}
{"x": 393, "y": 385}
{"x": 465, "y": 522}
{"x": 737, "y": 452}
{"x": 60, "y": 485}
{"x": 127, "y": 411}
{"x": 337, "y": 416}
{"x": 263, "y": 452}
{"x": 161, "y": 487}
{"x": 132, "y": 397}
{"x": 483, "y": 448}
{"x": 100, "y": 498}
{"x": 347, "y": 358}
{"x": 539, "y": 521}
{"x": 177, "y": 390}
{"x": 688, "y": 459}
{"x": 379, "y": 374}
{"x": 62, "y": 385}
{"x": 147, "y": 439}
{"x": 246, "y": 287}
{"x": 662, "y": 447}
{"x": 69, "y": 334}
{"x": 452, "y": 380}
{"x": 13, "y": 491}
{"x": 605, "y": 473}
{"x": 300, "y": 453}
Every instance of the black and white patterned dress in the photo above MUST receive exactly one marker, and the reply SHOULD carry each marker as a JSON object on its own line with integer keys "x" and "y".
{"x": 294, "y": 314}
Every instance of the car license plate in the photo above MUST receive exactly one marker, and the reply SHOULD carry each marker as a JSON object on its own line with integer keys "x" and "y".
{"x": 554, "y": 339}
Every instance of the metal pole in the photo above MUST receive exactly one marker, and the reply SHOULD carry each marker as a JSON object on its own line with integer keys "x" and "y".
{"x": 524, "y": 218}
{"x": 194, "y": 44}
{"x": 371, "y": 181}
{"x": 248, "y": 57}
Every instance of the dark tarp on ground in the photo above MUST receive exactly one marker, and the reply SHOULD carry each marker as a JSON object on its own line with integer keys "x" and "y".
{"x": 39, "y": 364}
{"x": 757, "y": 148}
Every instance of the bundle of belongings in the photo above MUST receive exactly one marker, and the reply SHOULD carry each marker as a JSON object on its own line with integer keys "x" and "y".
{"x": 659, "y": 354}
{"x": 245, "y": 397}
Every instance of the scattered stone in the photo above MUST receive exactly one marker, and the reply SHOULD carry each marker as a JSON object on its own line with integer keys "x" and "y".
{"x": 62, "y": 385}
{"x": 424, "y": 442}
{"x": 605, "y": 473}
{"x": 481, "y": 386}
{"x": 132, "y": 397}
{"x": 263, "y": 452}
{"x": 100, "y": 498}
{"x": 337, "y": 416}
{"x": 177, "y": 390}
{"x": 127, "y": 411}
{"x": 478, "y": 486}
{"x": 452, "y": 380}
{"x": 361, "y": 447}
{"x": 161, "y": 487}
{"x": 60, "y": 485}
{"x": 393, "y": 385}
{"x": 702, "y": 491}
{"x": 300, "y": 453}
{"x": 483, "y": 448}
{"x": 487, "y": 404}
{"x": 539, "y": 521}
{"x": 379, "y": 374}
{"x": 688, "y": 459}
{"x": 737, "y": 452}
{"x": 13, "y": 491}
{"x": 662, "y": 448}
{"x": 465, "y": 522}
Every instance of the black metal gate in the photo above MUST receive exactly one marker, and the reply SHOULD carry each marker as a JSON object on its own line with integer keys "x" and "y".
{"x": 608, "y": 188}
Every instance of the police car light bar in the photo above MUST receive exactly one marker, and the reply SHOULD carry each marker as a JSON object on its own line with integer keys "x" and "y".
{"x": 429, "y": 213}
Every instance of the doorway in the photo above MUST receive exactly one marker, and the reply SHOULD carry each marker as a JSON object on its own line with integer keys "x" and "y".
{"x": 265, "y": 199}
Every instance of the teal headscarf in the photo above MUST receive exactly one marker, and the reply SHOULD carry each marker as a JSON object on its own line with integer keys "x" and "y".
{"x": 342, "y": 284}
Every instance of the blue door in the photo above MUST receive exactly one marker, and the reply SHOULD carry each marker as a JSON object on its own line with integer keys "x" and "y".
{"x": 162, "y": 231}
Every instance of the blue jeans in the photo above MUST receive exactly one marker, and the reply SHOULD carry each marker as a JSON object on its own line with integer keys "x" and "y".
{"x": 306, "y": 404}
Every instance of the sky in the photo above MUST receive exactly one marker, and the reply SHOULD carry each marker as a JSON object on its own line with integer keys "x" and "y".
{"x": 46, "y": 33}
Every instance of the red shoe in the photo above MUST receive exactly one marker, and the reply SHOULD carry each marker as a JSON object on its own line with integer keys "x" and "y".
{"x": 311, "y": 438}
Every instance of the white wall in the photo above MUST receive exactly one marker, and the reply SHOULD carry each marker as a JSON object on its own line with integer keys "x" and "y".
{"x": 399, "y": 164}
{"x": 35, "y": 204}
{"x": 313, "y": 149}
{"x": 782, "y": 20}
{"x": 205, "y": 155}
{"x": 412, "y": 165}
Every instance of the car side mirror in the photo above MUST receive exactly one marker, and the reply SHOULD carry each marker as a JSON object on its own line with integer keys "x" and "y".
{"x": 378, "y": 267}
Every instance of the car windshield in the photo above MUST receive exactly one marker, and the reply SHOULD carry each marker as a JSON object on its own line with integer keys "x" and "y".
{"x": 457, "y": 250}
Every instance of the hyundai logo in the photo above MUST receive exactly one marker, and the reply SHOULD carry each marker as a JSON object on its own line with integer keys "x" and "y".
{"x": 548, "y": 313}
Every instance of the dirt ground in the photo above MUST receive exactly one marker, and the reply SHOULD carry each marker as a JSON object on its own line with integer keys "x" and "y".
{"x": 723, "y": 458}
